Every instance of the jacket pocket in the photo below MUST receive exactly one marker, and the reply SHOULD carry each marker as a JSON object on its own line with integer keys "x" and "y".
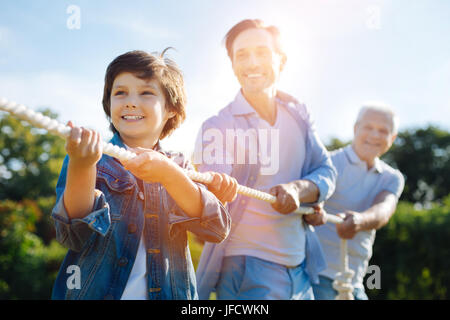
{"x": 118, "y": 190}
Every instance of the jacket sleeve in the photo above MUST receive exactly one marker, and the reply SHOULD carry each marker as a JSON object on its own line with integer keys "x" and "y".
{"x": 214, "y": 223}
{"x": 74, "y": 233}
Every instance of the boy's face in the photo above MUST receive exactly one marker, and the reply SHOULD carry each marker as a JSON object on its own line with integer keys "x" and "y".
{"x": 138, "y": 110}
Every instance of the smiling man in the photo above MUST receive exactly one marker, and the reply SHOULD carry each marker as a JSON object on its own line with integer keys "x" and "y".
{"x": 366, "y": 195}
{"x": 270, "y": 253}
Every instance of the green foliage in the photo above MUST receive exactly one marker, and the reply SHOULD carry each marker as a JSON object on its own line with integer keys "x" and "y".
{"x": 196, "y": 247}
{"x": 28, "y": 268}
{"x": 335, "y": 143}
{"x": 423, "y": 156}
{"x": 412, "y": 253}
{"x": 30, "y": 159}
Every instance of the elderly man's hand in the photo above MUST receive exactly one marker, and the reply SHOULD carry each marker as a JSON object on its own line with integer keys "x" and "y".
{"x": 317, "y": 218}
{"x": 287, "y": 198}
{"x": 351, "y": 225}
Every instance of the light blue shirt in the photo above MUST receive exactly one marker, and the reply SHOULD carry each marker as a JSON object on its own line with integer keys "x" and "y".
{"x": 356, "y": 188}
{"x": 317, "y": 167}
{"x": 263, "y": 232}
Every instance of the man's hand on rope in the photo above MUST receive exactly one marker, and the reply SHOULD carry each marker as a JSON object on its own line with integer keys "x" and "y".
{"x": 287, "y": 198}
{"x": 288, "y": 201}
{"x": 84, "y": 146}
{"x": 317, "y": 218}
{"x": 351, "y": 225}
{"x": 223, "y": 186}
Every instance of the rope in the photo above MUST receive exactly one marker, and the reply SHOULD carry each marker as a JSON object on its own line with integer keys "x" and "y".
{"x": 343, "y": 282}
{"x": 53, "y": 126}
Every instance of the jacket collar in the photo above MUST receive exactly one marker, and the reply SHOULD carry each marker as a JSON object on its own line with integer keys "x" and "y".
{"x": 117, "y": 141}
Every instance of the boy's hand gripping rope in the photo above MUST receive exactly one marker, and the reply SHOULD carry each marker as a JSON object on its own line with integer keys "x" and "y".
{"x": 342, "y": 283}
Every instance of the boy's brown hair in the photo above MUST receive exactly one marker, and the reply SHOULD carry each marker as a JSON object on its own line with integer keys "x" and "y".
{"x": 148, "y": 66}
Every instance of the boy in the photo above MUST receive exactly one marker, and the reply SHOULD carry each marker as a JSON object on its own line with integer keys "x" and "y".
{"x": 126, "y": 231}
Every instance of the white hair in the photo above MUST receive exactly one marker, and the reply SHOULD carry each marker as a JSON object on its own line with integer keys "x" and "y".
{"x": 382, "y": 108}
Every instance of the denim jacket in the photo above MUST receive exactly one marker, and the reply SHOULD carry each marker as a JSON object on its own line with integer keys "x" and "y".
{"x": 103, "y": 244}
{"x": 317, "y": 168}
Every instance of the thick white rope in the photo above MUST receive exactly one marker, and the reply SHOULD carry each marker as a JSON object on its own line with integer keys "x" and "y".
{"x": 343, "y": 282}
{"x": 53, "y": 126}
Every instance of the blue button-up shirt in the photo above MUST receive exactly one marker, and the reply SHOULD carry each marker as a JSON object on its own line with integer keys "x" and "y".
{"x": 317, "y": 168}
{"x": 103, "y": 244}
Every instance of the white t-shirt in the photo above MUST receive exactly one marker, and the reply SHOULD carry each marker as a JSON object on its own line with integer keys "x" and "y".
{"x": 136, "y": 287}
{"x": 263, "y": 232}
{"x": 356, "y": 189}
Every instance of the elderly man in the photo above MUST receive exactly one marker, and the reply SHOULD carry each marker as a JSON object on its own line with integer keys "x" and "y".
{"x": 366, "y": 195}
{"x": 265, "y": 140}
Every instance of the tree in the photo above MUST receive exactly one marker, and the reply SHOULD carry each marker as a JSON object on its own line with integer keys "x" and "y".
{"x": 335, "y": 143}
{"x": 30, "y": 159}
{"x": 28, "y": 268}
{"x": 412, "y": 254}
{"x": 423, "y": 156}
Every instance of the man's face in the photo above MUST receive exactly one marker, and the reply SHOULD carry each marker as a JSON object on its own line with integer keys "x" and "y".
{"x": 373, "y": 135}
{"x": 256, "y": 62}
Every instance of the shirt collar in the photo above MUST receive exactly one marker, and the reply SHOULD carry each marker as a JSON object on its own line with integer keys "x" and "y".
{"x": 377, "y": 165}
{"x": 353, "y": 157}
{"x": 240, "y": 105}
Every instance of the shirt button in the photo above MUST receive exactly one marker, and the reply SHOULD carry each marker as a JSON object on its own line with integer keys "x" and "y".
{"x": 123, "y": 261}
{"x": 132, "y": 228}
{"x": 141, "y": 195}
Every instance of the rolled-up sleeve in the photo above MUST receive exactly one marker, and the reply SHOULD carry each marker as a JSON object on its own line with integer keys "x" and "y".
{"x": 213, "y": 225}
{"x": 214, "y": 222}
{"x": 324, "y": 177}
{"x": 73, "y": 233}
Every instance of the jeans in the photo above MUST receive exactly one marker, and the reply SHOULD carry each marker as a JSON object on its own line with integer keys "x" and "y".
{"x": 324, "y": 290}
{"x": 251, "y": 278}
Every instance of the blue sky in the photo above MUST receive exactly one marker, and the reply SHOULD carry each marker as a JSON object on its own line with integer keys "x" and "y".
{"x": 340, "y": 54}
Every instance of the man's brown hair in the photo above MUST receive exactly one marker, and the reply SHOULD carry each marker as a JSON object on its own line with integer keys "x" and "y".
{"x": 251, "y": 24}
{"x": 148, "y": 66}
